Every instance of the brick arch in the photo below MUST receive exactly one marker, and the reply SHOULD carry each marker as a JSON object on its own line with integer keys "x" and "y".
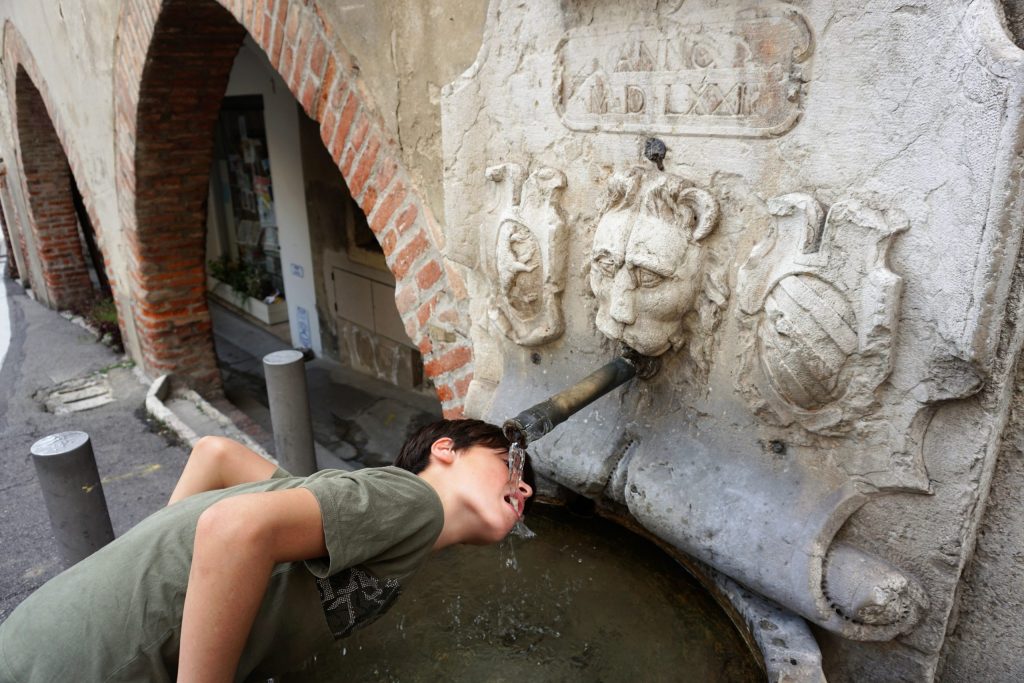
{"x": 171, "y": 68}
{"x": 49, "y": 164}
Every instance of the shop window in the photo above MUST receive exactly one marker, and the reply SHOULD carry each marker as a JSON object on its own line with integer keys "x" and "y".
{"x": 249, "y": 230}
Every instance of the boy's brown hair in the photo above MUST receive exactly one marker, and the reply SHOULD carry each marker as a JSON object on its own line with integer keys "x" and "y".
{"x": 415, "y": 453}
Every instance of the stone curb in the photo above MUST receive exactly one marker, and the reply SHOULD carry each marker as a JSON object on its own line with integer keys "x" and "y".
{"x": 161, "y": 388}
{"x": 84, "y": 324}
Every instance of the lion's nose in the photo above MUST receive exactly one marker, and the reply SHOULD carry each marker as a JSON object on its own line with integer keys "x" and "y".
{"x": 623, "y": 306}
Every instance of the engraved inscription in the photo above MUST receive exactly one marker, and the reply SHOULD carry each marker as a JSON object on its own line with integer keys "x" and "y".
{"x": 719, "y": 73}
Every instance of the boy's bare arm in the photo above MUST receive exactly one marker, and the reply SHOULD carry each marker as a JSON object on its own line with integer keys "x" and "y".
{"x": 238, "y": 542}
{"x": 217, "y": 462}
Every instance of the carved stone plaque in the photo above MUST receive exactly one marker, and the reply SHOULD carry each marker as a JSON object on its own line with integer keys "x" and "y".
{"x": 716, "y": 73}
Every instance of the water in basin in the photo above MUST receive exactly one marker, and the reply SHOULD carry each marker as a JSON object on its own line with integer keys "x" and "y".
{"x": 584, "y": 600}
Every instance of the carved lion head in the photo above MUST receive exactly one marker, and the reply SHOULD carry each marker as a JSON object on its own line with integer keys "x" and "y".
{"x": 649, "y": 260}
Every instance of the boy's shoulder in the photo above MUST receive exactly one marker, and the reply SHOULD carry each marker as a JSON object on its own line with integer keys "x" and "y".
{"x": 385, "y": 491}
{"x": 372, "y": 481}
{"x": 384, "y": 516}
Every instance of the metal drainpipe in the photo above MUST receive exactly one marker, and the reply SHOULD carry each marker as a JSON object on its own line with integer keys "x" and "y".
{"x": 538, "y": 420}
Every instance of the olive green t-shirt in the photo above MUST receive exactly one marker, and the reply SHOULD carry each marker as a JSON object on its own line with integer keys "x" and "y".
{"x": 116, "y": 616}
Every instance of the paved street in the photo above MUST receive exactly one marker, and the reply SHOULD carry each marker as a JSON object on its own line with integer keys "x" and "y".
{"x": 138, "y": 466}
{"x": 356, "y": 419}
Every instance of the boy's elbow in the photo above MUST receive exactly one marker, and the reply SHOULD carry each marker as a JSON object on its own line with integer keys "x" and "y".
{"x": 227, "y": 524}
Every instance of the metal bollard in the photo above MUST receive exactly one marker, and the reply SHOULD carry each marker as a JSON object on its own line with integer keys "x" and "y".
{"x": 71, "y": 485}
{"x": 289, "y": 411}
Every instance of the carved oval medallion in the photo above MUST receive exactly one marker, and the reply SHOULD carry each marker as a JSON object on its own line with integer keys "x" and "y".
{"x": 805, "y": 338}
{"x": 520, "y": 271}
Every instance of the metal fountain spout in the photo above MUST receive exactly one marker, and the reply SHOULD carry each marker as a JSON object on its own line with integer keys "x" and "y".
{"x": 538, "y": 420}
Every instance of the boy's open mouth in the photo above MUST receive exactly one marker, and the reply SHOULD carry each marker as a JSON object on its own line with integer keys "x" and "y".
{"x": 516, "y": 502}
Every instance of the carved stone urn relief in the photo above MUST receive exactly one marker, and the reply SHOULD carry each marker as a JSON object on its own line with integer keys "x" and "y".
{"x": 820, "y": 308}
{"x": 525, "y": 252}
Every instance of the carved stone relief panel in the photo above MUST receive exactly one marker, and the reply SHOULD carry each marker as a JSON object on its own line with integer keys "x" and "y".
{"x": 525, "y": 251}
{"x": 819, "y": 306}
{"x": 822, "y": 364}
{"x": 728, "y": 72}
{"x": 658, "y": 285}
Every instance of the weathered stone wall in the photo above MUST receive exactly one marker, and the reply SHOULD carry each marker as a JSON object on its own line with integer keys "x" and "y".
{"x": 823, "y": 258}
{"x": 986, "y": 625}
{"x": 407, "y": 52}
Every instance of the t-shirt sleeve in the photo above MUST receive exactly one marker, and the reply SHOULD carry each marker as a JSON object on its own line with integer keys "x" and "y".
{"x": 373, "y": 515}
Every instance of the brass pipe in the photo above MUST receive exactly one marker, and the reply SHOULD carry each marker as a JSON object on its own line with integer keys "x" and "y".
{"x": 538, "y": 420}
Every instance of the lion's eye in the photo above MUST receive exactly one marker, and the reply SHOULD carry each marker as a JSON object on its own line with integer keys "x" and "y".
{"x": 648, "y": 278}
{"x": 606, "y": 264}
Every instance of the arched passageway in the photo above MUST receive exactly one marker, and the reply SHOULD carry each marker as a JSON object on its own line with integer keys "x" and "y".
{"x": 55, "y": 232}
{"x": 51, "y": 189}
{"x": 172, "y": 66}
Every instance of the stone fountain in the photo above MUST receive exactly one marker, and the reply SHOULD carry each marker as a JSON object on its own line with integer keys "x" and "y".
{"x": 805, "y": 211}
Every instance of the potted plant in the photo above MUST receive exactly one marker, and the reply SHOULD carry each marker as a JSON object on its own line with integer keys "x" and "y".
{"x": 246, "y": 286}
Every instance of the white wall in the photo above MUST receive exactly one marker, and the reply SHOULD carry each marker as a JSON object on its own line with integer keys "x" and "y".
{"x": 252, "y": 74}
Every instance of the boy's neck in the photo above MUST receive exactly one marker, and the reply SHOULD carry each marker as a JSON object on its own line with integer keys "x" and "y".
{"x": 455, "y": 529}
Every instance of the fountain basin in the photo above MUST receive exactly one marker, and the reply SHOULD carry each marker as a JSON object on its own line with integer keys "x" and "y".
{"x": 584, "y": 600}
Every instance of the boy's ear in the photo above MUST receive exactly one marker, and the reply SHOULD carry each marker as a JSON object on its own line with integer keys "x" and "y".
{"x": 443, "y": 450}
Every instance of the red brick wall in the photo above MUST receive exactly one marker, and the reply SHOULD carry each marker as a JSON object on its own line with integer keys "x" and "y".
{"x": 168, "y": 65}
{"x": 184, "y": 75}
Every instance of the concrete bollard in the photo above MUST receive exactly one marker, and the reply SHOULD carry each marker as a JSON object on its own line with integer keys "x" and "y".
{"x": 289, "y": 411}
{"x": 67, "y": 473}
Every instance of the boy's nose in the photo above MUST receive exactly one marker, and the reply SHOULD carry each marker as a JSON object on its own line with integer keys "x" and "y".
{"x": 525, "y": 489}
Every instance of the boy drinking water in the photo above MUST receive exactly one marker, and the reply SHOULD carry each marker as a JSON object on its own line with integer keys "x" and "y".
{"x": 249, "y": 571}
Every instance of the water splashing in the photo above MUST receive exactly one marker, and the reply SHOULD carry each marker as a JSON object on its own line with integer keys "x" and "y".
{"x": 507, "y": 556}
{"x": 520, "y": 530}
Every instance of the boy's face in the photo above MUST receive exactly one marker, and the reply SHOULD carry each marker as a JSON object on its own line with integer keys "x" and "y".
{"x": 484, "y": 486}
